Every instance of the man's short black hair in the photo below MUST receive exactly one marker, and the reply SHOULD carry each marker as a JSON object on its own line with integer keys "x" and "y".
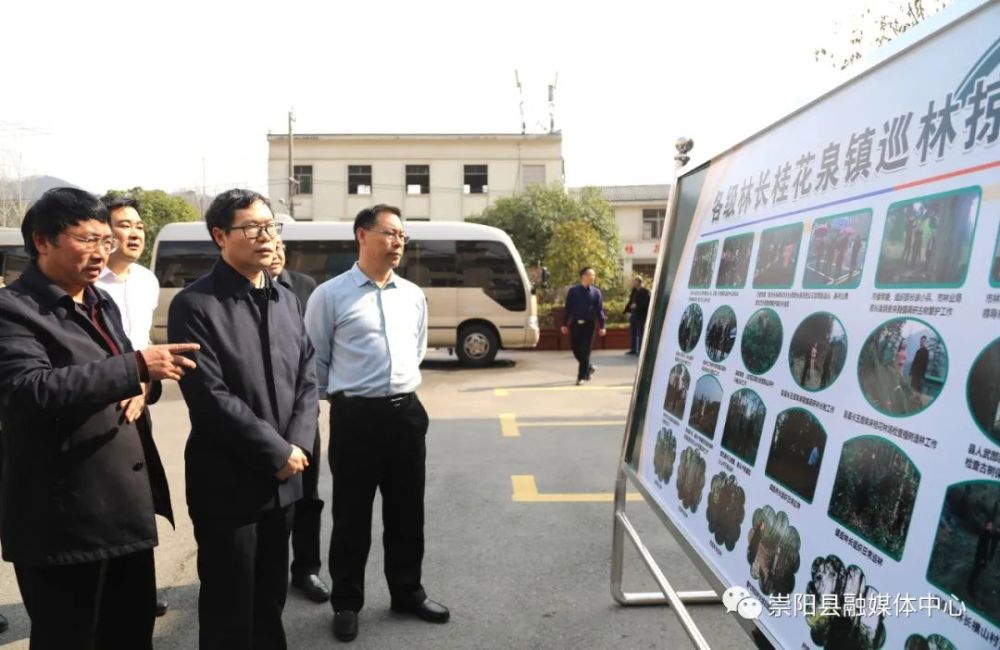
{"x": 369, "y": 216}
{"x": 113, "y": 201}
{"x": 585, "y": 269}
{"x": 58, "y": 209}
{"x": 224, "y": 206}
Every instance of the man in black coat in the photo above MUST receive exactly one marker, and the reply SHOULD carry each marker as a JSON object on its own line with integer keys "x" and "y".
{"x": 637, "y": 309}
{"x": 306, "y": 561}
{"x": 253, "y": 406}
{"x": 81, "y": 479}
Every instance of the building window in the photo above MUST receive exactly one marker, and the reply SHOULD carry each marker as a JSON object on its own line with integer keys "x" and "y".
{"x": 418, "y": 179}
{"x": 533, "y": 175}
{"x": 652, "y": 222}
{"x": 303, "y": 175}
{"x": 476, "y": 179}
{"x": 359, "y": 179}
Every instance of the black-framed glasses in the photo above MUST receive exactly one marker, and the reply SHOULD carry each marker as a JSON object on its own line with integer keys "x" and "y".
{"x": 253, "y": 230}
{"x": 90, "y": 244}
{"x": 392, "y": 234}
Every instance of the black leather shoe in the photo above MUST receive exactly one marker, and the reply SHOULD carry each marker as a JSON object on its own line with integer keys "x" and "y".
{"x": 312, "y": 587}
{"x": 3, "y": 623}
{"x": 161, "y": 607}
{"x": 345, "y": 625}
{"x": 427, "y": 609}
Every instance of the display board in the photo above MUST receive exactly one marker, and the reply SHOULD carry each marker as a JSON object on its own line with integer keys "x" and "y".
{"x": 820, "y": 406}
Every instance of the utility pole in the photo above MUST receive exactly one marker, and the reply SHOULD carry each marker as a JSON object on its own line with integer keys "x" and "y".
{"x": 292, "y": 183}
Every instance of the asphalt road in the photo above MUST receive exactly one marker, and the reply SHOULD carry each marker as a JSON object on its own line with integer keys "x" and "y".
{"x": 515, "y": 573}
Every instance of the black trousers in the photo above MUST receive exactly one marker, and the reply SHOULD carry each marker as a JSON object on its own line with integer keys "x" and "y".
{"x": 377, "y": 443}
{"x": 581, "y": 340}
{"x": 91, "y": 606}
{"x": 308, "y": 517}
{"x": 243, "y": 569}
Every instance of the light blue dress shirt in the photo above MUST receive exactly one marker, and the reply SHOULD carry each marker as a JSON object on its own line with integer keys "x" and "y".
{"x": 369, "y": 341}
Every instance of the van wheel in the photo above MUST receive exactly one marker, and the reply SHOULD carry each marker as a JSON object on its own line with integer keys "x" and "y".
{"x": 477, "y": 345}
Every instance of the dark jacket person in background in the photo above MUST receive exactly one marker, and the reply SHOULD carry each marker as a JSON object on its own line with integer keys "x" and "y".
{"x": 81, "y": 477}
{"x": 584, "y": 307}
{"x": 637, "y": 309}
{"x": 306, "y": 525}
{"x": 253, "y": 409}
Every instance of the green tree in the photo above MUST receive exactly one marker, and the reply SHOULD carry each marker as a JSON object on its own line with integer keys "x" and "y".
{"x": 531, "y": 217}
{"x": 573, "y": 245}
{"x": 872, "y": 31}
{"x": 157, "y": 209}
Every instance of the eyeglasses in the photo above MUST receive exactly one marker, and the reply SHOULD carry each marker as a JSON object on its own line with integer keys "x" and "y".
{"x": 254, "y": 230}
{"x": 91, "y": 244}
{"x": 392, "y": 234}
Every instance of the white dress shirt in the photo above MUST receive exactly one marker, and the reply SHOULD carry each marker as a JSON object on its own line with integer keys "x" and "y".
{"x": 369, "y": 341}
{"x": 136, "y": 295}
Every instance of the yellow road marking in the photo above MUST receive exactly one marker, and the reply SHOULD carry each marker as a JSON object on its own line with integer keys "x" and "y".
{"x": 505, "y": 392}
{"x": 526, "y": 491}
{"x": 577, "y": 423}
{"x": 508, "y": 425}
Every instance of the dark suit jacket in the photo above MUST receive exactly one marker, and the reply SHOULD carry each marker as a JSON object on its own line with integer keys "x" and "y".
{"x": 301, "y": 285}
{"x": 247, "y": 408}
{"x": 640, "y": 297}
{"x": 78, "y": 484}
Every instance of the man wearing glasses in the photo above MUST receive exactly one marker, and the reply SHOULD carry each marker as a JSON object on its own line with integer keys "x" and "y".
{"x": 253, "y": 410}
{"x": 306, "y": 525}
{"x": 369, "y": 327}
{"x": 82, "y": 480}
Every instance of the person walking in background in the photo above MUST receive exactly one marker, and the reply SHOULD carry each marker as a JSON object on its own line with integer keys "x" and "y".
{"x": 369, "y": 327}
{"x": 82, "y": 480}
{"x": 133, "y": 287}
{"x": 584, "y": 308}
{"x": 253, "y": 411}
{"x": 306, "y": 561}
{"x": 637, "y": 309}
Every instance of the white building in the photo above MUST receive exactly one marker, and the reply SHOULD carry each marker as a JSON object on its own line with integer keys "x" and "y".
{"x": 640, "y": 211}
{"x": 433, "y": 176}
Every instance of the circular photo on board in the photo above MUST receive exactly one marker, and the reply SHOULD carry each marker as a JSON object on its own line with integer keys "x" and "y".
{"x": 761, "y": 342}
{"x": 726, "y": 509}
{"x": 664, "y": 456}
{"x": 691, "y": 478}
{"x": 831, "y": 580}
{"x": 773, "y": 551}
{"x": 931, "y": 642}
{"x": 689, "y": 332}
{"x": 902, "y": 366}
{"x": 817, "y": 352}
{"x": 983, "y": 391}
{"x": 721, "y": 333}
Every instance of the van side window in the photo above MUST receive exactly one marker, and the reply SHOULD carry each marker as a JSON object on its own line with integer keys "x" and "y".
{"x": 430, "y": 263}
{"x": 321, "y": 260}
{"x": 179, "y": 263}
{"x": 13, "y": 260}
{"x": 490, "y": 266}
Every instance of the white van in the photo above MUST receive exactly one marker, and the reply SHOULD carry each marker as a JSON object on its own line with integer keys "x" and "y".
{"x": 478, "y": 293}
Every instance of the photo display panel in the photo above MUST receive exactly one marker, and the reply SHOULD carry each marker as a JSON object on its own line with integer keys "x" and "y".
{"x": 820, "y": 416}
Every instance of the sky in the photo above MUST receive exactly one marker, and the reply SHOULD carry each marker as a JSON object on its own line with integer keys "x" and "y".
{"x": 181, "y": 95}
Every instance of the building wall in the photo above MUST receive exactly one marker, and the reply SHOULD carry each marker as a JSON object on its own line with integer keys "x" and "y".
{"x": 388, "y": 155}
{"x": 638, "y": 254}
